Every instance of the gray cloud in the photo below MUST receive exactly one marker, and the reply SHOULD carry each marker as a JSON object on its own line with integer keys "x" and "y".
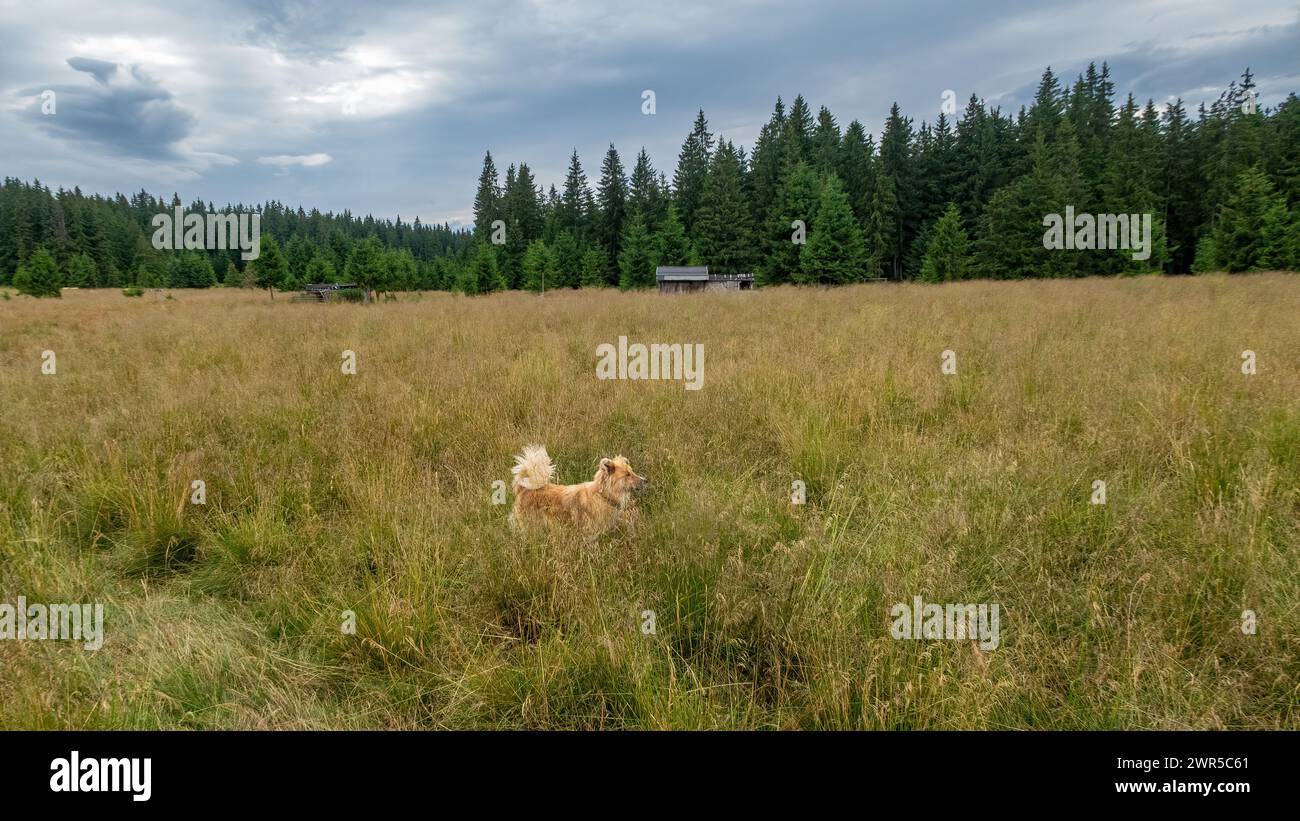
{"x": 101, "y": 70}
{"x": 310, "y": 30}
{"x": 1161, "y": 71}
{"x": 127, "y": 113}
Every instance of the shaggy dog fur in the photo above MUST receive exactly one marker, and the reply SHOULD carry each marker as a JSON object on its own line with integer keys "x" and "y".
{"x": 592, "y": 507}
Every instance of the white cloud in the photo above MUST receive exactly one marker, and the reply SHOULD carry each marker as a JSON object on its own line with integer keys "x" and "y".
{"x": 305, "y": 160}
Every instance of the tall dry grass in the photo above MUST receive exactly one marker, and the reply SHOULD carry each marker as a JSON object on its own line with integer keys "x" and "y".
{"x": 372, "y": 493}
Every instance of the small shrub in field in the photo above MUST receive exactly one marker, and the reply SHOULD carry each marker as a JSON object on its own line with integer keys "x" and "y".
{"x": 350, "y": 295}
{"x": 133, "y": 291}
{"x": 40, "y": 277}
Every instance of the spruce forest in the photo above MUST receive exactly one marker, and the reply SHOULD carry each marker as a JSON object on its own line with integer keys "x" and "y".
{"x": 961, "y": 197}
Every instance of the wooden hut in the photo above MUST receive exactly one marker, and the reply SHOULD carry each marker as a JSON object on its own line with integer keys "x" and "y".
{"x": 322, "y": 291}
{"x": 688, "y": 279}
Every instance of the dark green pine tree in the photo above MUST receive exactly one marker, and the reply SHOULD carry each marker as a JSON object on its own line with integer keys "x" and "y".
{"x": 1177, "y": 172}
{"x": 487, "y": 200}
{"x": 835, "y": 253}
{"x": 1280, "y": 235}
{"x": 401, "y": 272}
{"x": 825, "y": 144}
{"x": 39, "y": 276}
{"x": 339, "y": 247}
{"x": 81, "y": 271}
{"x": 723, "y": 235}
{"x": 637, "y": 257}
{"x": 692, "y": 172}
{"x": 576, "y": 203}
{"x": 1282, "y": 162}
{"x": 97, "y": 237}
{"x": 645, "y": 197}
{"x": 524, "y": 205}
{"x": 482, "y": 275}
{"x": 674, "y": 248}
{"x": 882, "y": 229}
{"x": 1241, "y": 143}
{"x": 1091, "y": 111}
{"x": 1005, "y": 247}
{"x": 539, "y": 267}
{"x": 1103, "y": 103}
{"x": 947, "y": 257}
{"x": 1078, "y": 103}
{"x": 9, "y": 239}
{"x": 765, "y": 166}
{"x": 1130, "y": 172}
{"x": 522, "y": 211}
{"x": 510, "y": 254}
{"x": 611, "y": 199}
{"x": 147, "y": 260}
{"x": 1151, "y": 148}
{"x": 1012, "y": 240}
{"x": 1240, "y": 239}
{"x": 981, "y": 167}
{"x": 365, "y": 265}
{"x": 319, "y": 270}
{"x": 271, "y": 267}
{"x": 1067, "y": 187}
{"x": 298, "y": 252}
{"x": 927, "y": 198}
{"x": 896, "y": 163}
{"x": 568, "y": 261}
{"x": 190, "y": 269}
{"x": 551, "y": 215}
{"x": 443, "y": 274}
{"x": 1204, "y": 142}
{"x": 1206, "y": 260}
{"x": 594, "y": 266}
{"x": 945, "y": 154}
{"x": 1046, "y": 112}
{"x": 796, "y": 135}
{"x": 1151, "y": 140}
{"x": 148, "y": 278}
{"x": 856, "y": 152}
{"x": 797, "y": 200}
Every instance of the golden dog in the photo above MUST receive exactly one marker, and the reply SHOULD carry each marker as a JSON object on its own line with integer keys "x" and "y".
{"x": 592, "y": 507}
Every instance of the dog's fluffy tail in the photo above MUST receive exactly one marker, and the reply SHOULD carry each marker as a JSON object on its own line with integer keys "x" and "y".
{"x": 533, "y": 469}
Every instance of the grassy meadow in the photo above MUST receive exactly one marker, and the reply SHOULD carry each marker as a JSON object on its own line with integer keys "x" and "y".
{"x": 372, "y": 493}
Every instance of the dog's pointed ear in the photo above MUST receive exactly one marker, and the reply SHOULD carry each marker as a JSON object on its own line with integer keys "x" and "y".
{"x": 607, "y": 465}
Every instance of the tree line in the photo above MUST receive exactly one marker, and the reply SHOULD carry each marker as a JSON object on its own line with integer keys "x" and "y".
{"x": 70, "y": 239}
{"x": 814, "y": 203}
{"x": 811, "y": 203}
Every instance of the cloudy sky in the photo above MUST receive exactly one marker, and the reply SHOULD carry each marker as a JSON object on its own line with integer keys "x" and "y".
{"x": 387, "y": 109}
